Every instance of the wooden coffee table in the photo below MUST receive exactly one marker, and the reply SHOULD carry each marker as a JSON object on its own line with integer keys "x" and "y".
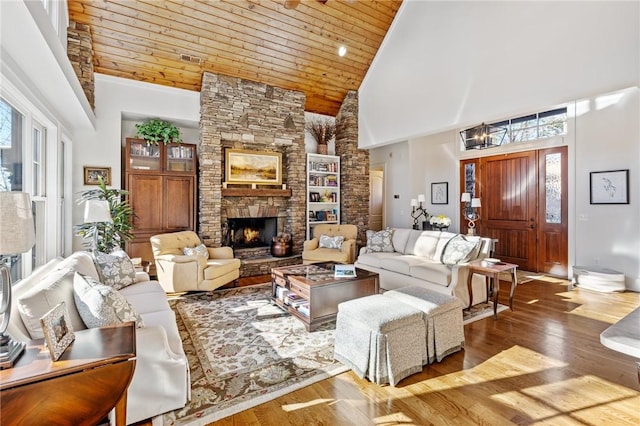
{"x": 316, "y": 293}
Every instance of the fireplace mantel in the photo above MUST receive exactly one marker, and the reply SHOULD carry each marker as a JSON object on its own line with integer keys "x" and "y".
{"x": 258, "y": 192}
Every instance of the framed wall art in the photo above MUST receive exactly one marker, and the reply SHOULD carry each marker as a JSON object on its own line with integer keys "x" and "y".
{"x": 259, "y": 167}
{"x": 57, "y": 330}
{"x": 92, "y": 175}
{"x": 440, "y": 193}
{"x": 609, "y": 187}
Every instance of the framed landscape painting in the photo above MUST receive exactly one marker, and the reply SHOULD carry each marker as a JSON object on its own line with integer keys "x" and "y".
{"x": 259, "y": 167}
{"x": 92, "y": 175}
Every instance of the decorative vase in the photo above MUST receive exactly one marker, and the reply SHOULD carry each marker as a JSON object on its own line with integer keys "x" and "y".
{"x": 323, "y": 148}
{"x": 281, "y": 249}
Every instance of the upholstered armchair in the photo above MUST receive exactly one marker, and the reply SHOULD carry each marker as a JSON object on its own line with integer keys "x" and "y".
{"x": 183, "y": 263}
{"x": 319, "y": 248}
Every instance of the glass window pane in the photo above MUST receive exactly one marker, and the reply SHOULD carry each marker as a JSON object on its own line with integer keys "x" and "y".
{"x": 11, "y": 168}
{"x": 10, "y": 148}
{"x": 39, "y": 218}
{"x": 553, "y": 186}
{"x": 38, "y": 186}
{"x": 470, "y": 179}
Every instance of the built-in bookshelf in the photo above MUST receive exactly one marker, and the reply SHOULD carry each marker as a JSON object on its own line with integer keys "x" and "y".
{"x": 323, "y": 190}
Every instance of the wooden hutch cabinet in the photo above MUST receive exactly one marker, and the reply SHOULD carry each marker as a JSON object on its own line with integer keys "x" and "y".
{"x": 161, "y": 182}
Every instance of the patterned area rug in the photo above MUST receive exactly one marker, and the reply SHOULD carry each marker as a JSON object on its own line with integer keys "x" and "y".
{"x": 244, "y": 351}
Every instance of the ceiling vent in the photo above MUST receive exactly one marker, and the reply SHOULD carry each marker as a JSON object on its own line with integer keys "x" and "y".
{"x": 191, "y": 59}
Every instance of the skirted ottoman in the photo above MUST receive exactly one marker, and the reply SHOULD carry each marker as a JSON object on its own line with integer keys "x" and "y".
{"x": 443, "y": 319}
{"x": 380, "y": 340}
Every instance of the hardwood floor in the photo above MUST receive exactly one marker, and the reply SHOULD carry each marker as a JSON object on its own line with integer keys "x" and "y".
{"x": 540, "y": 364}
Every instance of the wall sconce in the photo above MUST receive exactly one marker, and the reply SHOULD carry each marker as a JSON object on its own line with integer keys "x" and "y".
{"x": 417, "y": 211}
{"x": 470, "y": 211}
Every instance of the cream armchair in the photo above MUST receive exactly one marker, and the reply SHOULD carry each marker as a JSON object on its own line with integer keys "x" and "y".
{"x": 179, "y": 272}
{"x": 313, "y": 253}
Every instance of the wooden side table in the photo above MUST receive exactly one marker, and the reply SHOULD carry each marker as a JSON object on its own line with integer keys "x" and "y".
{"x": 88, "y": 380}
{"x": 491, "y": 271}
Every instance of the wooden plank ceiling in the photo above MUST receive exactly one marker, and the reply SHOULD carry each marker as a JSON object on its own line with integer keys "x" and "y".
{"x": 284, "y": 43}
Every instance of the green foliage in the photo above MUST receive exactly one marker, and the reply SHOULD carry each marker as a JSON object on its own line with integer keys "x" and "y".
{"x": 110, "y": 235}
{"x": 156, "y": 131}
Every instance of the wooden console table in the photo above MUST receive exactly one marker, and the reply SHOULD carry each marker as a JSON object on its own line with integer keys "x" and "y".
{"x": 492, "y": 271}
{"x": 88, "y": 380}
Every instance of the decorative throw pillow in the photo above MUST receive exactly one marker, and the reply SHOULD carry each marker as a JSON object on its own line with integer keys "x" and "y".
{"x": 53, "y": 288}
{"x": 380, "y": 241}
{"x": 100, "y": 305}
{"x": 459, "y": 250}
{"x": 115, "y": 269}
{"x": 200, "y": 250}
{"x": 331, "y": 242}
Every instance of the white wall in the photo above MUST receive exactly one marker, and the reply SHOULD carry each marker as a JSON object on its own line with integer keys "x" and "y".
{"x": 445, "y": 65}
{"x": 397, "y": 183}
{"x": 117, "y": 98}
{"x": 435, "y": 159}
{"x": 608, "y": 138}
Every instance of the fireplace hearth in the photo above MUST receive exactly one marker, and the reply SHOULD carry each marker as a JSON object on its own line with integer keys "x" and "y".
{"x": 252, "y": 232}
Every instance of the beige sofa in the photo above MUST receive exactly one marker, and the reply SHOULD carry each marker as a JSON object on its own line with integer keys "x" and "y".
{"x": 415, "y": 260}
{"x": 178, "y": 272}
{"x": 161, "y": 379}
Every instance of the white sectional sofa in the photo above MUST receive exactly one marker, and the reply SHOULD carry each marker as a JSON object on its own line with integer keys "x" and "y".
{"x": 161, "y": 379}
{"x": 414, "y": 259}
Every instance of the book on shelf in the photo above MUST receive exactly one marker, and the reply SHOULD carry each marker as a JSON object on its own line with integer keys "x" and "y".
{"x": 344, "y": 271}
{"x": 282, "y": 293}
{"x": 304, "y": 309}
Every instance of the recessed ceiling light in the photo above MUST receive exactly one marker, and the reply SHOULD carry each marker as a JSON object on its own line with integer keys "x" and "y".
{"x": 342, "y": 50}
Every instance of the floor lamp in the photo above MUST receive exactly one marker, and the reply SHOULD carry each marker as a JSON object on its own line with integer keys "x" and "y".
{"x": 17, "y": 236}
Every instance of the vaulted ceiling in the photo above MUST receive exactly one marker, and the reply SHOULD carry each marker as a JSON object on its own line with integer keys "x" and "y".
{"x": 285, "y": 43}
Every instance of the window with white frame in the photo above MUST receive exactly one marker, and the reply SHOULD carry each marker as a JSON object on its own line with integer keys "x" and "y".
{"x": 535, "y": 126}
{"x": 39, "y": 191}
{"x": 11, "y": 154}
{"x": 26, "y": 166}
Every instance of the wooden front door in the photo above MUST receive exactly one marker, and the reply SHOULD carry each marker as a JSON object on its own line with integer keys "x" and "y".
{"x": 524, "y": 206}
{"x": 509, "y": 186}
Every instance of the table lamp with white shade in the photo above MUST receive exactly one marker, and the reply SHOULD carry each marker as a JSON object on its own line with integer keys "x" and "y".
{"x": 17, "y": 236}
{"x": 96, "y": 211}
{"x": 471, "y": 211}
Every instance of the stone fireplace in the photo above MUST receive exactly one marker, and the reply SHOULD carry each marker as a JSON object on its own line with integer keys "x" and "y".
{"x": 242, "y": 233}
{"x": 242, "y": 114}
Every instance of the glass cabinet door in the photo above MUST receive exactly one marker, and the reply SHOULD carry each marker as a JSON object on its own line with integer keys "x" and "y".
{"x": 144, "y": 156}
{"x": 181, "y": 158}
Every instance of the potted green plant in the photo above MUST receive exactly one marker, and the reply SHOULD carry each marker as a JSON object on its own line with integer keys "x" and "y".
{"x": 110, "y": 236}
{"x": 155, "y": 131}
{"x": 322, "y": 130}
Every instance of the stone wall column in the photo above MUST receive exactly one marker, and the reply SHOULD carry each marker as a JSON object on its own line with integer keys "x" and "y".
{"x": 80, "y": 53}
{"x": 354, "y": 165}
